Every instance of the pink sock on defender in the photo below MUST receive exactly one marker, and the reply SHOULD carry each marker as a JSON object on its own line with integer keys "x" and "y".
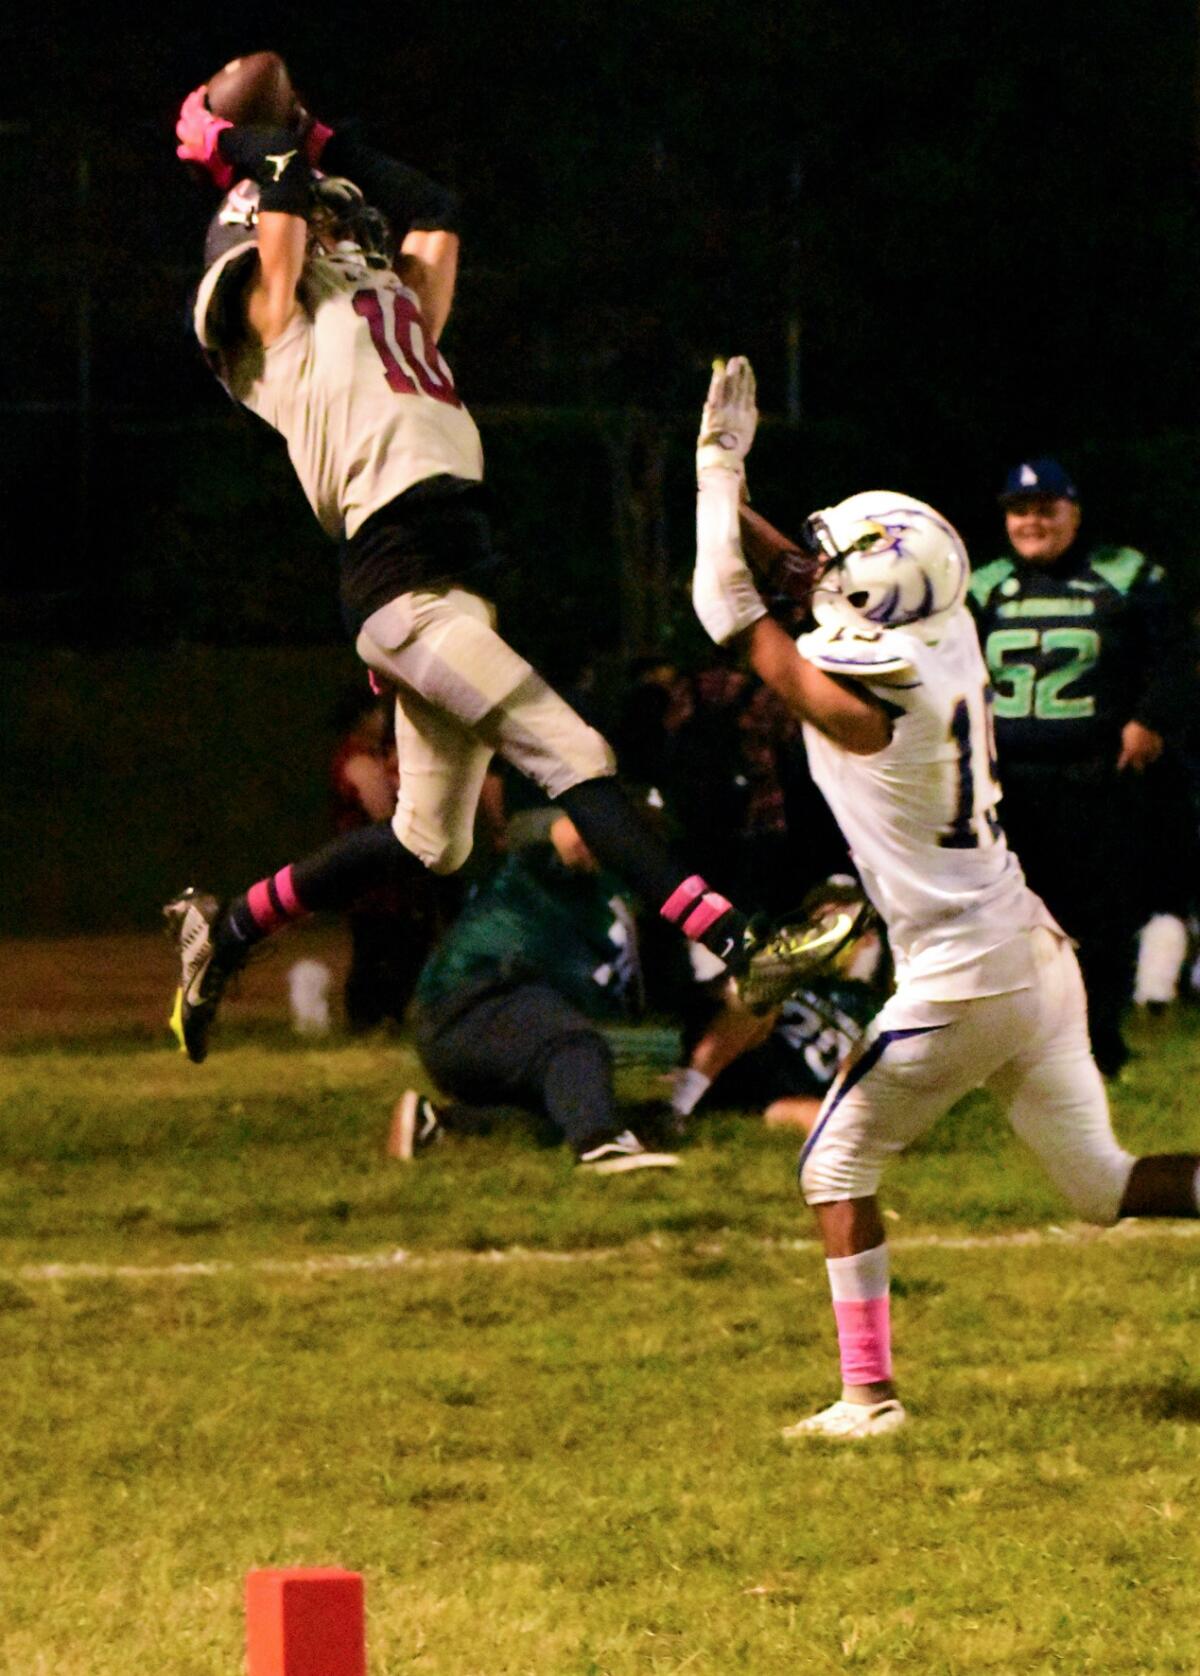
{"x": 859, "y": 1285}
{"x": 864, "y": 1340}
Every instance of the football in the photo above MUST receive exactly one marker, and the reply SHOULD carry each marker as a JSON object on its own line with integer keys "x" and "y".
{"x": 256, "y": 90}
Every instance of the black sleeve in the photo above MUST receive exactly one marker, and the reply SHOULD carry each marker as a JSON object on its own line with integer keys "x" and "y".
{"x": 408, "y": 198}
{"x": 275, "y": 159}
{"x": 1167, "y": 697}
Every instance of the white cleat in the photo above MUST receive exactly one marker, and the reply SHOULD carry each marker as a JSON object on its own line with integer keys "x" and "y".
{"x": 847, "y": 1421}
{"x": 622, "y": 1153}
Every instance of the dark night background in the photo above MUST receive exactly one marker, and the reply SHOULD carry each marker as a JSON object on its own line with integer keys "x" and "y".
{"x": 947, "y": 236}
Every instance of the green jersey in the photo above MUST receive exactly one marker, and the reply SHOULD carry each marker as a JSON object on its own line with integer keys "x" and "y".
{"x": 537, "y": 920}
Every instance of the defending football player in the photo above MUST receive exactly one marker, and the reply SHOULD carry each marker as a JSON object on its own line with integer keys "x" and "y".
{"x": 321, "y": 313}
{"x": 893, "y": 693}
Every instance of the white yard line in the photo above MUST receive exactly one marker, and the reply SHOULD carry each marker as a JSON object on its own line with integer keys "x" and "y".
{"x": 350, "y": 1262}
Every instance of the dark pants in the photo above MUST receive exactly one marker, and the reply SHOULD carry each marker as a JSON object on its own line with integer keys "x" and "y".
{"x": 392, "y": 930}
{"x": 522, "y": 1045}
{"x": 387, "y": 953}
{"x": 1078, "y": 832}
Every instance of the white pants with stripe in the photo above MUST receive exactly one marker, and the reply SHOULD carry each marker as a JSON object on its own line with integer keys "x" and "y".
{"x": 1029, "y": 1047}
{"x": 462, "y": 695}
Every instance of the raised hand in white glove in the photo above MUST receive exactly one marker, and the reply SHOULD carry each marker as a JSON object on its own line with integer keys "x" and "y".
{"x": 730, "y": 417}
{"x": 724, "y": 594}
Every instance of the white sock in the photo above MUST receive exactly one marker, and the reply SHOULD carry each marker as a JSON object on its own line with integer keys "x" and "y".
{"x": 690, "y": 1088}
{"x": 1162, "y": 950}
{"x": 853, "y": 1279}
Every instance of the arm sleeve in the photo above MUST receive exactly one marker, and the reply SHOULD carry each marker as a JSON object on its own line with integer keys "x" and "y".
{"x": 1167, "y": 695}
{"x": 724, "y": 594}
{"x": 409, "y": 199}
{"x": 275, "y": 159}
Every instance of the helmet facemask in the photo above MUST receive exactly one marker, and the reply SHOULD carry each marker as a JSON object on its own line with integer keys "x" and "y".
{"x": 340, "y": 215}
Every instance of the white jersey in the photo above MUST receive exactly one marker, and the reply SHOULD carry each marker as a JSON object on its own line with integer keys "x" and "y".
{"x": 355, "y": 384}
{"x": 919, "y": 816}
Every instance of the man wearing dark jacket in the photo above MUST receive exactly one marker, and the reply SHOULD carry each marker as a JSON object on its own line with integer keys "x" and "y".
{"x": 1090, "y": 667}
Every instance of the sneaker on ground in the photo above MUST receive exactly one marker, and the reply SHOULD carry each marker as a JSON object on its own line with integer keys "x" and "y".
{"x": 190, "y": 920}
{"x": 781, "y": 960}
{"x": 623, "y": 1152}
{"x": 416, "y": 1125}
{"x": 847, "y": 1421}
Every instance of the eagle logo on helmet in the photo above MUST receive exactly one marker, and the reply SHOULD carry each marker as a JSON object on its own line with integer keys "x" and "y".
{"x": 889, "y": 561}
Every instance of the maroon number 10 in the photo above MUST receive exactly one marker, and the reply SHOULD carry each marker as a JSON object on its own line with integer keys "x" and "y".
{"x": 410, "y": 357}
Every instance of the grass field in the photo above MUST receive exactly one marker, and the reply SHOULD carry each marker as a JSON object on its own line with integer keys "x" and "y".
{"x": 540, "y": 1413}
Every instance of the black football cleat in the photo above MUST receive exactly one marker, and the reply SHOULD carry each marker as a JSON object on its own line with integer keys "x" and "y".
{"x": 190, "y": 919}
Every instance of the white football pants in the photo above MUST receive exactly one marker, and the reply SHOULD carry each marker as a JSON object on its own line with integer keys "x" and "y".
{"x": 462, "y": 695}
{"x": 1029, "y": 1047}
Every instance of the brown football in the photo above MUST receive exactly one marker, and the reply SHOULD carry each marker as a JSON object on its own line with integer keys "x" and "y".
{"x": 255, "y": 90}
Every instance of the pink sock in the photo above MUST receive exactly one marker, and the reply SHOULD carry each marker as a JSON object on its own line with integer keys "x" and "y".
{"x": 273, "y": 902}
{"x": 859, "y": 1286}
{"x": 707, "y": 918}
{"x": 694, "y": 908}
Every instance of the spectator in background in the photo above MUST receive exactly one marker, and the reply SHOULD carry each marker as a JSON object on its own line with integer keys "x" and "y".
{"x": 1089, "y": 665}
{"x": 717, "y": 752}
{"x": 648, "y": 713}
{"x": 733, "y": 745}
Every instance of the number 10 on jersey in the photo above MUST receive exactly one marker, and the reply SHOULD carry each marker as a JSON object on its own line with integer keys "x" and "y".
{"x": 411, "y": 360}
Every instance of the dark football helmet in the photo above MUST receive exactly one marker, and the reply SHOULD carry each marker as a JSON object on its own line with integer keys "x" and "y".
{"x": 234, "y": 223}
{"x": 339, "y": 215}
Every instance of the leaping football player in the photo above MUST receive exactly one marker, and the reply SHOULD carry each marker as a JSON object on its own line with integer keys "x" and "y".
{"x": 893, "y": 693}
{"x": 320, "y": 309}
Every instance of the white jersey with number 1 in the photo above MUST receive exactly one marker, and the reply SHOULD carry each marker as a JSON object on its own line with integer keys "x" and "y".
{"x": 920, "y": 815}
{"x": 355, "y": 384}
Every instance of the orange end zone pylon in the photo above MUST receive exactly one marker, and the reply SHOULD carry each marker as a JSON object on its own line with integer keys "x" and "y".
{"x": 305, "y": 1621}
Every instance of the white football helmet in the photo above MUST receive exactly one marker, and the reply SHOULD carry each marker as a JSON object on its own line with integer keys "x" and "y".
{"x": 889, "y": 561}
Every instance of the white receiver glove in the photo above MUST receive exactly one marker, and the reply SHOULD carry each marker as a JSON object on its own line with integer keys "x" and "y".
{"x": 729, "y": 419}
{"x": 724, "y": 593}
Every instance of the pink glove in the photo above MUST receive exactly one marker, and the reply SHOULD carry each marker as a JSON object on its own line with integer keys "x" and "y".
{"x": 315, "y": 141}
{"x": 198, "y": 131}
